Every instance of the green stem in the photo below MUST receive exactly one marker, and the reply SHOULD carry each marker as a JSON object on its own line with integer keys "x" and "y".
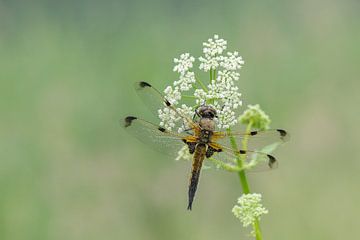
{"x": 222, "y": 165}
{"x": 243, "y": 180}
{"x": 202, "y": 85}
{"x": 188, "y": 96}
{"x": 258, "y": 233}
{"x": 240, "y": 163}
{"x": 210, "y": 101}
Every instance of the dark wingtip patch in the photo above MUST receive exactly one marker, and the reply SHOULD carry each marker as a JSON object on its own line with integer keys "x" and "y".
{"x": 242, "y": 152}
{"x": 144, "y": 84}
{"x": 272, "y": 160}
{"x": 283, "y": 135}
{"x": 253, "y": 133}
{"x": 282, "y": 132}
{"x": 161, "y": 129}
{"x": 167, "y": 103}
{"x": 128, "y": 120}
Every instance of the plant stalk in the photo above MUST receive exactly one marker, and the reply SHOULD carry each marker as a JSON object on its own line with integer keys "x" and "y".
{"x": 242, "y": 175}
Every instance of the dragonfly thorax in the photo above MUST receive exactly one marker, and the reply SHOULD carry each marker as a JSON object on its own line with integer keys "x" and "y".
{"x": 205, "y": 136}
{"x": 207, "y": 124}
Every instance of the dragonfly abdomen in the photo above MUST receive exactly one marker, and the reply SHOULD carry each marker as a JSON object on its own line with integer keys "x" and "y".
{"x": 198, "y": 158}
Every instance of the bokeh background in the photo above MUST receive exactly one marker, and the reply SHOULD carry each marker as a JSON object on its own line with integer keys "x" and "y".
{"x": 69, "y": 171}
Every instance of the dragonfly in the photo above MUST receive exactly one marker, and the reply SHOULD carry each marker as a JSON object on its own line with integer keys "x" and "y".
{"x": 200, "y": 136}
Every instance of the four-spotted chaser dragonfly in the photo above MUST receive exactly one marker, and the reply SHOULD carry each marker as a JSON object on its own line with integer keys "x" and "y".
{"x": 200, "y": 136}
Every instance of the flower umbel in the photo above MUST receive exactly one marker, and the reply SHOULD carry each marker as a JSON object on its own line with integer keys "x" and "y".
{"x": 256, "y": 116}
{"x": 221, "y": 92}
{"x": 184, "y": 63}
{"x": 249, "y": 209}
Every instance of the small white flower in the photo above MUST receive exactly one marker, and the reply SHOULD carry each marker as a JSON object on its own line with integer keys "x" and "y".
{"x": 184, "y": 63}
{"x": 226, "y": 118}
{"x": 226, "y": 99}
{"x": 172, "y": 95}
{"x": 185, "y": 81}
{"x": 232, "y": 61}
{"x": 187, "y": 112}
{"x": 249, "y": 208}
{"x": 214, "y": 46}
{"x": 209, "y": 62}
{"x": 212, "y": 50}
{"x": 201, "y": 96}
{"x": 168, "y": 118}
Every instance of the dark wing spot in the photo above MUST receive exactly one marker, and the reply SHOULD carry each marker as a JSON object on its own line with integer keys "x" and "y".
{"x": 253, "y": 133}
{"x": 282, "y": 132}
{"x": 128, "y": 120}
{"x": 161, "y": 129}
{"x": 272, "y": 160}
{"x": 144, "y": 84}
{"x": 242, "y": 152}
{"x": 219, "y": 150}
{"x": 167, "y": 103}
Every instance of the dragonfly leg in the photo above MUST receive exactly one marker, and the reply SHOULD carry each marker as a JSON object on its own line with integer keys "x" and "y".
{"x": 191, "y": 143}
{"x": 187, "y": 131}
{"x": 192, "y": 146}
{"x": 210, "y": 151}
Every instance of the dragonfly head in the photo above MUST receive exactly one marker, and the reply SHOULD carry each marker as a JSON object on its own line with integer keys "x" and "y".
{"x": 207, "y": 112}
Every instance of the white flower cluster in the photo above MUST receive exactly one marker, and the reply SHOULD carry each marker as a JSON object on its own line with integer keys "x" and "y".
{"x": 232, "y": 61}
{"x": 221, "y": 91}
{"x": 173, "y": 93}
{"x": 249, "y": 208}
{"x": 184, "y": 63}
{"x": 169, "y": 118}
{"x": 212, "y": 50}
{"x": 185, "y": 81}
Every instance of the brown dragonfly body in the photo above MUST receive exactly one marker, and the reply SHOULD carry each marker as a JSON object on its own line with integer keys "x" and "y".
{"x": 201, "y": 147}
{"x": 198, "y": 159}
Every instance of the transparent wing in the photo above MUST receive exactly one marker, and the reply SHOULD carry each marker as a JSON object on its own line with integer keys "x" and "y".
{"x": 254, "y": 140}
{"x": 253, "y": 161}
{"x": 151, "y": 97}
{"x": 156, "y": 137}
{"x": 155, "y": 100}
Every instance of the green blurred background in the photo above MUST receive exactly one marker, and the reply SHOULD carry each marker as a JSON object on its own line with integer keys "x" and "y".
{"x": 68, "y": 170}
